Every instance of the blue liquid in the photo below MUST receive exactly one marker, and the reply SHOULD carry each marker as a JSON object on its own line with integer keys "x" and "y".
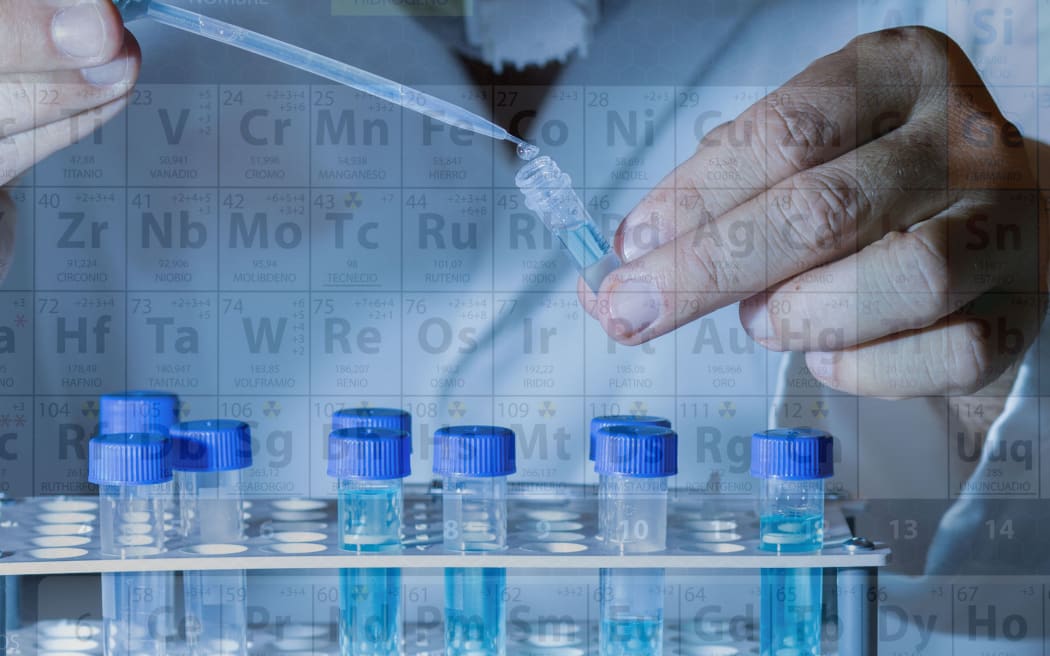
{"x": 370, "y": 624}
{"x": 136, "y": 612}
{"x": 370, "y": 519}
{"x": 216, "y": 612}
{"x": 629, "y": 636}
{"x": 475, "y": 612}
{"x": 590, "y": 251}
{"x": 792, "y": 533}
{"x": 790, "y": 619}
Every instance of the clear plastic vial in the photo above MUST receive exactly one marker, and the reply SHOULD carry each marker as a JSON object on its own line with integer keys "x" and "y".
{"x": 208, "y": 457}
{"x": 548, "y": 192}
{"x": 791, "y": 464}
{"x": 634, "y": 464}
{"x": 474, "y": 463}
{"x": 133, "y": 472}
{"x": 369, "y": 464}
{"x": 598, "y": 423}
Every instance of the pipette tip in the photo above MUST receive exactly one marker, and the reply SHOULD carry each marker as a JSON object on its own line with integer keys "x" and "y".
{"x": 527, "y": 151}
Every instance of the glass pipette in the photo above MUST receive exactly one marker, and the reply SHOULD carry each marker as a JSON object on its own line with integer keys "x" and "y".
{"x": 326, "y": 67}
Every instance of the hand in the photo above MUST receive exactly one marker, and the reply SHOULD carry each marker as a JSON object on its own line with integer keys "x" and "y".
{"x": 59, "y": 59}
{"x": 880, "y": 215}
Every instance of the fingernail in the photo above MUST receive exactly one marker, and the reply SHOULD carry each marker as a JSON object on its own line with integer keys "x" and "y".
{"x": 634, "y": 306}
{"x": 109, "y": 74}
{"x": 755, "y": 318}
{"x": 79, "y": 31}
{"x": 640, "y": 236}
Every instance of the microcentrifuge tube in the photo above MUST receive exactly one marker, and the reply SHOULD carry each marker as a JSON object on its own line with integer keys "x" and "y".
{"x": 369, "y": 464}
{"x": 474, "y": 463}
{"x": 791, "y": 464}
{"x": 208, "y": 459}
{"x": 549, "y": 194}
{"x": 133, "y": 472}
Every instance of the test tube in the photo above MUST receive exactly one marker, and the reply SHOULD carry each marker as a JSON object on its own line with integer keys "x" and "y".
{"x": 145, "y": 411}
{"x": 474, "y": 463}
{"x": 598, "y": 423}
{"x": 208, "y": 459}
{"x": 369, "y": 464}
{"x": 133, "y": 472}
{"x": 791, "y": 464}
{"x": 633, "y": 463}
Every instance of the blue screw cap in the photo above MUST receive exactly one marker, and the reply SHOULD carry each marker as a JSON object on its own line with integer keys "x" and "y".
{"x": 129, "y": 459}
{"x": 211, "y": 445}
{"x": 599, "y": 423}
{"x": 636, "y": 451}
{"x": 137, "y": 412}
{"x": 375, "y": 454}
{"x": 390, "y": 418}
{"x": 481, "y": 451}
{"x": 794, "y": 454}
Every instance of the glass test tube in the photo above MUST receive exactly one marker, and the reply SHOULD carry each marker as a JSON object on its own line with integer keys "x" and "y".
{"x": 598, "y": 423}
{"x": 474, "y": 462}
{"x": 208, "y": 457}
{"x": 791, "y": 464}
{"x": 369, "y": 464}
{"x": 133, "y": 472}
{"x": 633, "y": 463}
{"x": 145, "y": 411}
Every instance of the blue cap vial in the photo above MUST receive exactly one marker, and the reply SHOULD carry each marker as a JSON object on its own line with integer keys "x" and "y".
{"x": 793, "y": 454}
{"x": 129, "y": 459}
{"x": 211, "y": 445}
{"x": 599, "y": 423}
{"x": 478, "y": 451}
{"x": 137, "y": 412}
{"x": 368, "y": 453}
{"x": 636, "y": 451}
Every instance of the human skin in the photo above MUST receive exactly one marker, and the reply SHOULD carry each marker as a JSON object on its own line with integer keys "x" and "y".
{"x": 60, "y": 60}
{"x": 882, "y": 217}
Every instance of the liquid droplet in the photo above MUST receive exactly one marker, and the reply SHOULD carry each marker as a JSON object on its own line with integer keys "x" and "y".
{"x": 527, "y": 151}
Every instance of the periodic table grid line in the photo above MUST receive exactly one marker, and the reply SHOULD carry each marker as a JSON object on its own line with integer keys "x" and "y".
{"x": 676, "y": 392}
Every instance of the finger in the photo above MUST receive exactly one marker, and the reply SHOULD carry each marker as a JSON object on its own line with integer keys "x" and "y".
{"x": 904, "y": 281}
{"x": 21, "y": 151}
{"x": 33, "y": 99}
{"x": 58, "y": 35}
{"x": 812, "y": 218}
{"x": 960, "y": 354}
{"x": 839, "y": 102}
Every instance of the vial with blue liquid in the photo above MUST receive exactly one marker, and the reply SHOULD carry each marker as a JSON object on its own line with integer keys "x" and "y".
{"x": 634, "y": 464}
{"x": 133, "y": 472}
{"x": 474, "y": 463}
{"x": 791, "y": 465}
{"x": 208, "y": 459}
{"x": 549, "y": 194}
{"x": 369, "y": 464}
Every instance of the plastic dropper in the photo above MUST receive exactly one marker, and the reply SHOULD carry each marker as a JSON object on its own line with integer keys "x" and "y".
{"x": 326, "y": 67}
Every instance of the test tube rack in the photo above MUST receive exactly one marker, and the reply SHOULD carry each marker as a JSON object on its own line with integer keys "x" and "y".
{"x": 550, "y": 537}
